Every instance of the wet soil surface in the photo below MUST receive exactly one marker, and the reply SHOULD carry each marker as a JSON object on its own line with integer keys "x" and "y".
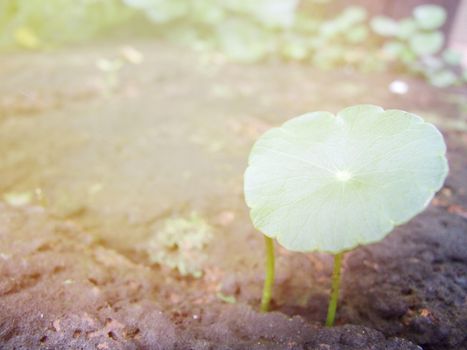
{"x": 97, "y": 167}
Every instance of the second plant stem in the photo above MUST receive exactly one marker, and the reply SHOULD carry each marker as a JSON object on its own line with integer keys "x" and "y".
{"x": 269, "y": 278}
{"x": 336, "y": 280}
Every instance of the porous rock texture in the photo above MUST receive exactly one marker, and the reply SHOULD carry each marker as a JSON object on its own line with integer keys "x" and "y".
{"x": 60, "y": 290}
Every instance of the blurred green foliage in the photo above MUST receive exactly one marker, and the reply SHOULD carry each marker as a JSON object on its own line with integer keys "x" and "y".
{"x": 244, "y": 30}
{"x": 248, "y": 31}
{"x": 416, "y": 42}
{"x": 37, "y": 23}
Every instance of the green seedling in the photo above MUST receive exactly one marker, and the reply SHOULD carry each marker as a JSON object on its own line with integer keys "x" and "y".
{"x": 180, "y": 243}
{"x": 331, "y": 183}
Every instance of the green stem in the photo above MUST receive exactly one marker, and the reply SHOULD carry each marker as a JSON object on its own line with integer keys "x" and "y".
{"x": 336, "y": 280}
{"x": 269, "y": 278}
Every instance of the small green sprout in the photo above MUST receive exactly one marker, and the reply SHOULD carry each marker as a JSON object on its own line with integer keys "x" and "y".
{"x": 180, "y": 243}
{"x": 331, "y": 183}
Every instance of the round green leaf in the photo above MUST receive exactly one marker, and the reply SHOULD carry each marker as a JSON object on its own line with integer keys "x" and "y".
{"x": 272, "y": 13}
{"x": 384, "y": 26}
{"x": 328, "y": 57}
{"x": 406, "y": 28}
{"x": 243, "y": 41}
{"x": 350, "y": 17}
{"x": 452, "y": 57}
{"x": 160, "y": 11}
{"x": 427, "y": 43}
{"x": 353, "y": 15}
{"x": 294, "y": 48}
{"x": 329, "y": 183}
{"x": 443, "y": 78}
{"x": 357, "y": 34}
{"x": 393, "y": 49}
{"x": 331, "y": 29}
{"x": 431, "y": 64}
{"x": 429, "y": 16}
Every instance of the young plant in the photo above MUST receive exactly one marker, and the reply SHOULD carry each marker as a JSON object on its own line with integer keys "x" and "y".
{"x": 331, "y": 183}
{"x": 180, "y": 243}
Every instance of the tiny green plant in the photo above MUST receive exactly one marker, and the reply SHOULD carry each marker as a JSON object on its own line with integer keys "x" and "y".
{"x": 180, "y": 243}
{"x": 331, "y": 183}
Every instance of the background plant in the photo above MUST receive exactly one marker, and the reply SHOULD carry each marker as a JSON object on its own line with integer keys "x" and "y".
{"x": 249, "y": 31}
{"x": 35, "y": 23}
{"x": 417, "y": 42}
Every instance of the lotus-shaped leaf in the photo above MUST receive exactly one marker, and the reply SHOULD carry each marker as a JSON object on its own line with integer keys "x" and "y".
{"x": 329, "y": 183}
{"x": 427, "y": 43}
{"x": 430, "y": 16}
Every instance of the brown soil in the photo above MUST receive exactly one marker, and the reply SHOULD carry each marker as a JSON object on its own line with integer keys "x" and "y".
{"x": 103, "y": 166}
